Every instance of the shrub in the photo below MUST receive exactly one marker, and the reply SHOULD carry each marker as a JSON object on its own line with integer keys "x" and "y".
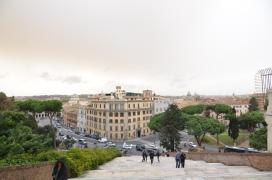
{"x": 77, "y": 160}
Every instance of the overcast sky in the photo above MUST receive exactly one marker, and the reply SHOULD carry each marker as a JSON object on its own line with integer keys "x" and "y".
{"x": 171, "y": 47}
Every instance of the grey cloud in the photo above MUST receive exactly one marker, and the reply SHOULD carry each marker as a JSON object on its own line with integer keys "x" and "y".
{"x": 72, "y": 79}
{"x": 46, "y": 76}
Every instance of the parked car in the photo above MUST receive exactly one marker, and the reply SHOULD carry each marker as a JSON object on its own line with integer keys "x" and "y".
{"x": 240, "y": 149}
{"x": 140, "y": 147}
{"x": 126, "y": 146}
{"x": 82, "y": 142}
{"x": 103, "y": 140}
{"x": 110, "y": 144}
{"x": 94, "y": 136}
{"x": 77, "y": 132}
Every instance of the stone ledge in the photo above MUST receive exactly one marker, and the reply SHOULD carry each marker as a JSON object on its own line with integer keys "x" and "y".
{"x": 260, "y": 161}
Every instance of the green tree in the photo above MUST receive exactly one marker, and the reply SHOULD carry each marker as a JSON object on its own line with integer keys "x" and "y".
{"x": 222, "y": 109}
{"x": 198, "y": 126}
{"x": 258, "y": 139}
{"x": 251, "y": 119}
{"x": 194, "y": 109}
{"x": 233, "y": 130}
{"x": 155, "y": 122}
{"x": 253, "y": 105}
{"x": 52, "y": 108}
{"x": 216, "y": 129}
{"x": 6, "y": 103}
{"x": 171, "y": 124}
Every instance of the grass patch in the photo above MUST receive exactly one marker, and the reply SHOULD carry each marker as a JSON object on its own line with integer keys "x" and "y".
{"x": 224, "y": 137}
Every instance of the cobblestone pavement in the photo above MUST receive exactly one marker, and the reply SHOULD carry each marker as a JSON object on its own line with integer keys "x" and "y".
{"x": 132, "y": 168}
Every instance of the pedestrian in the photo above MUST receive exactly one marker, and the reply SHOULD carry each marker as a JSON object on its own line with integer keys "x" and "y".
{"x": 178, "y": 159}
{"x": 60, "y": 170}
{"x": 151, "y": 155}
{"x": 144, "y": 154}
{"x": 182, "y": 159}
{"x": 158, "y": 155}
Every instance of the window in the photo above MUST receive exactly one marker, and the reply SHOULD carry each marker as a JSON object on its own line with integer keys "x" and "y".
{"x": 129, "y": 120}
{"x": 116, "y": 121}
{"x": 129, "y": 113}
{"x": 134, "y": 113}
{"x": 116, "y": 115}
{"x": 133, "y": 105}
{"x": 104, "y": 114}
{"x": 138, "y": 119}
{"x": 133, "y": 126}
{"x": 116, "y": 128}
{"x": 129, "y": 106}
{"x": 138, "y": 113}
{"x": 116, "y": 136}
{"x": 110, "y": 115}
{"x": 143, "y": 112}
{"x": 121, "y": 136}
{"x": 110, "y": 136}
{"x": 110, "y": 128}
{"x": 129, "y": 128}
{"x": 121, "y": 114}
{"x": 110, "y": 120}
{"x": 122, "y": 121}
{"x": 134, "y": 119}
{"x": 143, "y": 118}
{"x": 121, "y": 128}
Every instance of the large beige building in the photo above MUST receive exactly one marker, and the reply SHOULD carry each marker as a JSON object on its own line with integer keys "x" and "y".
{"x": 120, "y": 115}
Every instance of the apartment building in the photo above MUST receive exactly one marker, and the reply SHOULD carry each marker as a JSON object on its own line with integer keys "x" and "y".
{"x": 160, "y": 104}
{"x": 120, "y": 115}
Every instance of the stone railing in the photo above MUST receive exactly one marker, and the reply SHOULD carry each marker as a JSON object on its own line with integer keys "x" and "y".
{"x": 41, "y": 171}
{"x": 260, "y": 161}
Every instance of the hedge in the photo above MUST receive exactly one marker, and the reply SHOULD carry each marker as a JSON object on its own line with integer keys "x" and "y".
{"x": 77, "y": 160}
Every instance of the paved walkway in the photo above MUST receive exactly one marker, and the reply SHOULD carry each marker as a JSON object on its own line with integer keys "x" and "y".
{"x": 131, "y": 168}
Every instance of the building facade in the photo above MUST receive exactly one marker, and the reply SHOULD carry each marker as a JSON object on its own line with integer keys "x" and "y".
{"x": 161, "y": 104}
{"x": 70, "y": 114}
{"x": 81, "y": 119}
{"x": 120, "y": 115}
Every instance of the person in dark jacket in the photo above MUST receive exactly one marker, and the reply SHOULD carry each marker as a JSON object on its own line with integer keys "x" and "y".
{"x": 151, "y": 155}
{"x": 182, "y": 159}
{"x": 178, "y": 154}
{"x": 60, "y": 171}
{"x": 144, "y": 154}
{"x": 158, "y": 155}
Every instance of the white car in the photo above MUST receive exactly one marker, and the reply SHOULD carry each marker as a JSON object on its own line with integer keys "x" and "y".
{"x": 126, "y": 146}
{"x": 103, "y": 140}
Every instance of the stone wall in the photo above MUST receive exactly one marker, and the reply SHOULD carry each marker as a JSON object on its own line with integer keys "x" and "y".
{"x": 260, "y": 161}
{"x": 41, "y": 171}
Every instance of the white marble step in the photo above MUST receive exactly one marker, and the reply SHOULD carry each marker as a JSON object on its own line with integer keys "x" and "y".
{"x": 132, "y": 168}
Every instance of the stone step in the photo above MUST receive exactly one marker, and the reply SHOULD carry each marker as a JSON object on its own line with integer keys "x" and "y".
{"x": 131, "y": 168}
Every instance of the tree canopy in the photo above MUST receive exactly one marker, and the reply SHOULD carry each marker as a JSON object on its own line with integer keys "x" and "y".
{"x": 253, "y": 104}
{"x": 193, "y": 109}
{"x": 258, "y": 139}
{"x": 251, "y": 119}
{"x": 170, "y": 124}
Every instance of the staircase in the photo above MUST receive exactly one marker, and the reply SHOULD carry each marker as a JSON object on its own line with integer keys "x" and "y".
{"x": 132, "y": 168}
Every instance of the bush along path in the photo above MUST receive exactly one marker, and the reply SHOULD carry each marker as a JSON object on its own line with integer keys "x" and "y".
{"x": 77, "y": 160}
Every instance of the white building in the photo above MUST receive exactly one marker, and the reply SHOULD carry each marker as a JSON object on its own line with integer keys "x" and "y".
{"x": 81, "y": 119}
{"x": 161, "y": 104}
{"x": 240, "y": 109}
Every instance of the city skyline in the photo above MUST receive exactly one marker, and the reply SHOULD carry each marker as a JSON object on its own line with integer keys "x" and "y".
{"x": 83, "y": 47}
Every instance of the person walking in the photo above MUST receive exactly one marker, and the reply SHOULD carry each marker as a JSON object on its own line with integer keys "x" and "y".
{"x": 178, "y": 159}
{"x": 158, "y": 155}
{"x": 182, "y": 159}
{"x": 60, "y": 170}
{"x": 144, "y": 154}
{"x": 151, "y": 155}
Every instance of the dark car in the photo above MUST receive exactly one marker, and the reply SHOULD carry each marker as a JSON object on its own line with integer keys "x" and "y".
{"x": 240, "y": 149}
{"x": 77, "y": 132}
{"x": 140, "y": 147}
